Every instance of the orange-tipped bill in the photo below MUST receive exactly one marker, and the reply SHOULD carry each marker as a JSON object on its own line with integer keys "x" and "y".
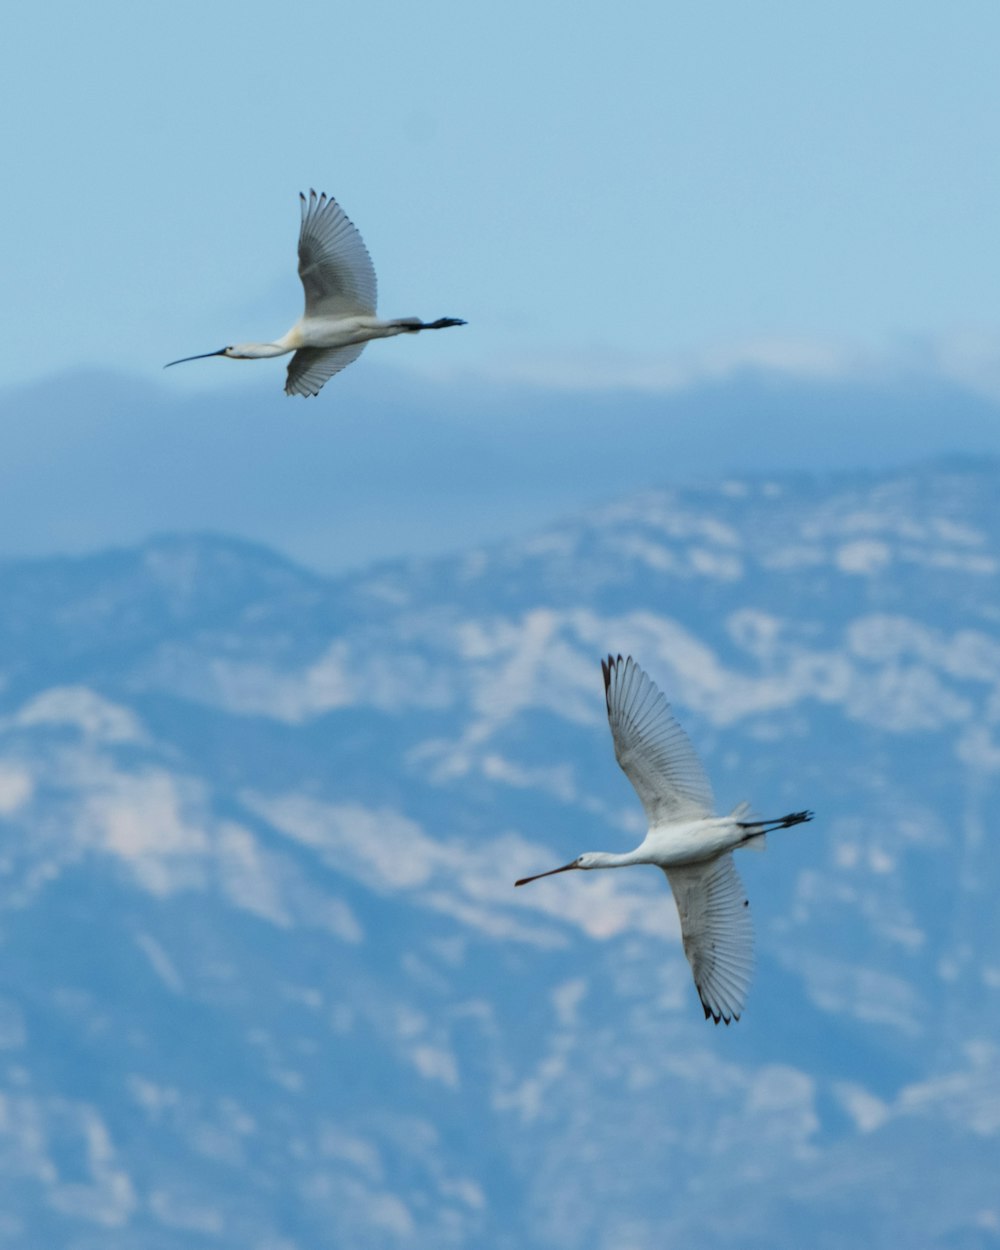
{"x": 550, "y": 873}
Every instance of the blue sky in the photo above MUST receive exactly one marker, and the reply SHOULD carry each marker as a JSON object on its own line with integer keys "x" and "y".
{"x": 629, "y": 210}
{"x": 639, "y": 197}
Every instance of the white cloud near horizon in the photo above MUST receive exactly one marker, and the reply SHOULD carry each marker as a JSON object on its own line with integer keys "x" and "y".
{"x": 969, "y": 360}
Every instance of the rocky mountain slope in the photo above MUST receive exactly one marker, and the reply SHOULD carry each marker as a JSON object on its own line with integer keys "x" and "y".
{"x": 267, "y": 983}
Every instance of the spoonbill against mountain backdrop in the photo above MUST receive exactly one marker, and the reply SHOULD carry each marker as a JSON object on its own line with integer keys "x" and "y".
{"x": 339, "y": 317}
{"x": 693, "y": 847}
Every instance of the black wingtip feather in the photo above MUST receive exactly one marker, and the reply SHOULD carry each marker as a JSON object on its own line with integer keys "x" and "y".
{"x": 606, "y": 666}
{"x": 717, "y": 1017}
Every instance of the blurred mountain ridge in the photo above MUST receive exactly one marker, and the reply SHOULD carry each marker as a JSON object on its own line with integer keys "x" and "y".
{"x": 268, "y": 983}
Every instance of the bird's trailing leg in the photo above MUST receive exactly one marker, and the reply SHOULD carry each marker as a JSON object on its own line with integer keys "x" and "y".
{"x": 757, "y": 828}
{"x": 442, "y": 323}
{"x": 410, "y": 325}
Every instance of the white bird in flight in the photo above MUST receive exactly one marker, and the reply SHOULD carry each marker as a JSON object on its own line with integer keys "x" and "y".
{"x": 339, "y": 317}
{"x": 693, "y": 847}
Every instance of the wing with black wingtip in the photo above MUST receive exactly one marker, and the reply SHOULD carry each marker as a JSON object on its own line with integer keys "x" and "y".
{"x": 717, "y": 932}
{"x": 651, "y": 747}
{"x": 336, "y": 270}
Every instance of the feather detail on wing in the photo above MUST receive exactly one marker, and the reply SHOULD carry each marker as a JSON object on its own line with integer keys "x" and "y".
{"x": 717, "y": 933}
{"x": 652, "y": 749}
{"x": 311, "y": 367}
{"x": 334, "y": 265}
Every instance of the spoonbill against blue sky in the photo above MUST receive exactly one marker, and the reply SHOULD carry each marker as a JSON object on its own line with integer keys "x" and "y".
{"x": 693, "y": 847}
{"x": 339, "y": 317}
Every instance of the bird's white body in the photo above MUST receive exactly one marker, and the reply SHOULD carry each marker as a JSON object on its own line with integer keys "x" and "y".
{"x": 692, "y": 846}
{"x": 339, "y": 318}
{"x": 678, "y": 845}
{"x": 321, "y": 332}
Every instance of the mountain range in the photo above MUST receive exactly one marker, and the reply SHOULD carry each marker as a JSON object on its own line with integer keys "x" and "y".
{"x": 268, "y": 985}
{"x": 391, "y": 465}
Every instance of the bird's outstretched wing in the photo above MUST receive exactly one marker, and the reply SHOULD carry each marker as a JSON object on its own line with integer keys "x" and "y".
{"x": 310, "y": 367}
{"x": 651, "y": 747}
{"x": 334, "y": 264}
{"x": 717, "y": 933}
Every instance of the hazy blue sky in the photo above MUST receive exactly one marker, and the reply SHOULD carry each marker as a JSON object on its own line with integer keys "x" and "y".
{"x": 606, "y": 194}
